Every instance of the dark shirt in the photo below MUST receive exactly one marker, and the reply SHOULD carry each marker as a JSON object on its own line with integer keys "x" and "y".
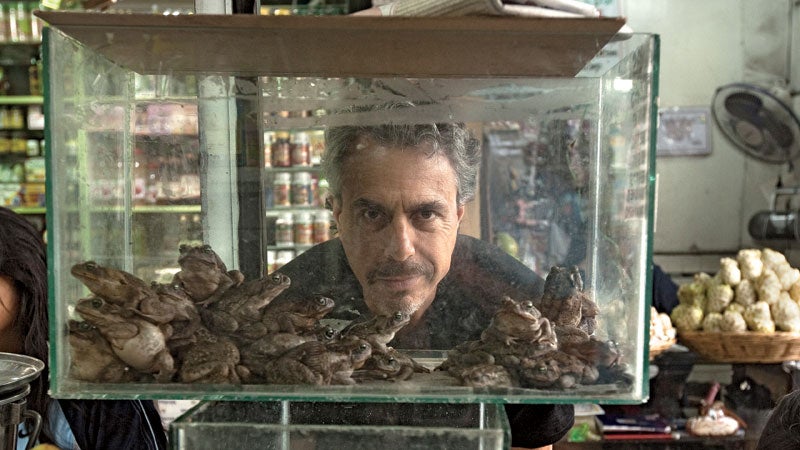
{"x": 466, "y": 299}
{"x": 115, "y": 424}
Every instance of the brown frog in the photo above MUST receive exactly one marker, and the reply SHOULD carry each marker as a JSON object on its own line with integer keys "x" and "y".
{"x": 243, "y": 304}
{"x": 176, "y": 308}
{"x": 203, "y": 274}
{"x": 570, "y": 370}
{"x": 382, "y": 366}
{"x": 137, "y": 342}
{"x": 296, "y": 316}
{"x": 113, "y": 285}
{"x": 259, "y": 353}
{"x": 378, "y": 330}
{"x": 565, "y": 303}
{"x": 92, "y": 358}
{"x": 318, "y": 363}
{"x": 516, "y": 322}
{"x": 212, "y": 359}
{"x": 486, "y": 375}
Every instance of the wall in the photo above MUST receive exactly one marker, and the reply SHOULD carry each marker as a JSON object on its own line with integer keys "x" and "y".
{"x": 705, "y": 203}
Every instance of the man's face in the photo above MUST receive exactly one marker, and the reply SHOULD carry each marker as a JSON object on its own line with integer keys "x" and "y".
{"x": 398, "y": 220}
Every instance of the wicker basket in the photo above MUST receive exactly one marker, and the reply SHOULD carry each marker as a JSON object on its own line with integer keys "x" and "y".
{"x": 746, "y": 347}
{"x": 658, "y": 347}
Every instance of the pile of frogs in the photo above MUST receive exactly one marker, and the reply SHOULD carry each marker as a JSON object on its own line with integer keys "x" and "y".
{"x": 521, "y": 347}
{"x": 210, "y": 325}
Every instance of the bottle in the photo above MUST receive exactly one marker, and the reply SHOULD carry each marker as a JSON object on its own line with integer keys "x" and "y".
{"x": 303, "y": 229}
{"x": 281, "y": 189}
{"x": 322, "y": 226}
{"x": 284, "y": 231}
{"x": 301, "y": 189}
{"x": 34, "y": 77}
{"x": 281, "y": 151}
{"x": 301, "y": 155}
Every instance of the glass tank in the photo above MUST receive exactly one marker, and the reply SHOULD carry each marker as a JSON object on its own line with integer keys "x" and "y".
{"x": 199, "y": 250}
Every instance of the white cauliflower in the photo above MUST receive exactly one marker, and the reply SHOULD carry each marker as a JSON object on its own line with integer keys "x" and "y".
{"x": 750, "y": 263}
{"x": 712, "y": 322}
{"x": 693, "y": 293}
{"x": 787, "y": 275}
{"x": 786, "y": 313}
{"x": 735, "y": 308}
{"x": 794, "y": 292}
{"x": 759, "y": 318}
{"x": 733, "y": 321}
{"x": 686, "y": 317}
{"x": 718, "y": 296}
{"x": 745, "y": 293}
{"x": 729, "y": 271}
{"x": 772, "y": 259}
{"x": 768, "y": 286}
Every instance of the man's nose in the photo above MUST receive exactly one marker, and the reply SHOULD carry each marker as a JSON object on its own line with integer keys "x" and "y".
{"x": 400, "y": 244}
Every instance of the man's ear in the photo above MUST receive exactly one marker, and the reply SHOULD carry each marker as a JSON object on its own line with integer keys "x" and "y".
{"x": 460, "y": 213}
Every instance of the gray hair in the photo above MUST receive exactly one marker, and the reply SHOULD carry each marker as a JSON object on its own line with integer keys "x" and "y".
{"x": 451, "y": 140}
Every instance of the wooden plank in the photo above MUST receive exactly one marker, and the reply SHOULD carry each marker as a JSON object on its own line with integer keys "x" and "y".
{"x": 338, "y": 46}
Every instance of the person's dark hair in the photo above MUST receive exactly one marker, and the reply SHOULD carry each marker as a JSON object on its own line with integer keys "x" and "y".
{"x": 23, "y": 258}
{"x": 452, "y": 140}
{"x": 782, "y": 430}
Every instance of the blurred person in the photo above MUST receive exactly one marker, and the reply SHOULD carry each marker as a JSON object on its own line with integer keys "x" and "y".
{"x": 398, "y": 194}
{"x": 782, "y": 430}
{"x": 68, "y": 424}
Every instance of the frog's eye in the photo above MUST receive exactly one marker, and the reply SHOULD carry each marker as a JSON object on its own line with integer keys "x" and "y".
{"x": 97, "y": 302}
{"x": 363, "y": 347}
{"x": 277, "y": 278}
{"x": 392, "y": 360}
{"x": 207, "y": 249}
{"x": 91, "y": 265}
{"x": 398, "y": 316}
{"x": 322, "y": 301}
{"x": 542, "y": 369}
{"x": 84, "y": 326}
{"x": 183, "y": 248}
{"x": 330, "y": 333}
{"x": 528, "y": 305}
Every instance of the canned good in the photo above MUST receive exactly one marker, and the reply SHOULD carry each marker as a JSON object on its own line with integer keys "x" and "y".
{"x": 281, "y": 190}
{"x": 301, "y": 189}
{"x": 284, "y": 232}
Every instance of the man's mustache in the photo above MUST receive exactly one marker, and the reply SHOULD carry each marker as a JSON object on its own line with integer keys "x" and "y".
{"x": 399, "y": 269}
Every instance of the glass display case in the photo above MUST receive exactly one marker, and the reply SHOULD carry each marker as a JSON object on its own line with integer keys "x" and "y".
{"x": 175, "y": 168}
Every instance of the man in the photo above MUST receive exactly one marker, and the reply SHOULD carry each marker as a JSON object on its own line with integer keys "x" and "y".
{"x": 398, "y": 193}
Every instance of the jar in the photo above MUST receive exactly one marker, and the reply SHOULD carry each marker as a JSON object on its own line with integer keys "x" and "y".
{"x": 281, "y": 150}
{"x": 303, "y": 229}
{"x": 301, "y": 189}
{"x": 284, "y": 232}
{"x": 269, "y": 138}
{"x": 301, "y": 155}
{"x": 321, "y": 193}
{"x": 322, "y": 226}
{"x": 281, "y": 189}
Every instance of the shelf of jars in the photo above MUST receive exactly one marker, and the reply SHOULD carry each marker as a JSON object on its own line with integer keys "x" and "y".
{"x": 295, "y": 194}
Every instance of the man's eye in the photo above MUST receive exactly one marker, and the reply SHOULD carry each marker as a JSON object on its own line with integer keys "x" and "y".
{"x": 372, "y": 214}
{"x": 428, "y": 214}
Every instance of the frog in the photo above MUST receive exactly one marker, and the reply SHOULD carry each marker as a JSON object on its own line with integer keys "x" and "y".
{"x": 138, "y": 342}
{"x": 516, "y": 322}
{"x": 382, "y": 366}
{"x": 174, "y": 306}
{"x": 112, "y": 285}
{"x": 243, "y": 304}
{"x": 564, "y": 371}
{"x": 318, "y": 363}
{"x": 564, "y": 301}
{"x": 486, "y": 375}
{"x": 91, "y": 356}
{"x": 212, "y": 359}
{"x": 296, "y": 315}
{"x": 204, "y": 275}
{"x": 378, "y": 330}
{"x": 256, "y": 354}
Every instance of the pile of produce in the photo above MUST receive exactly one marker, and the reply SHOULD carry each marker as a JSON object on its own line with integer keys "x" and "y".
{"x": 758, "y": 290}
{"x": 661, "y": 329}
